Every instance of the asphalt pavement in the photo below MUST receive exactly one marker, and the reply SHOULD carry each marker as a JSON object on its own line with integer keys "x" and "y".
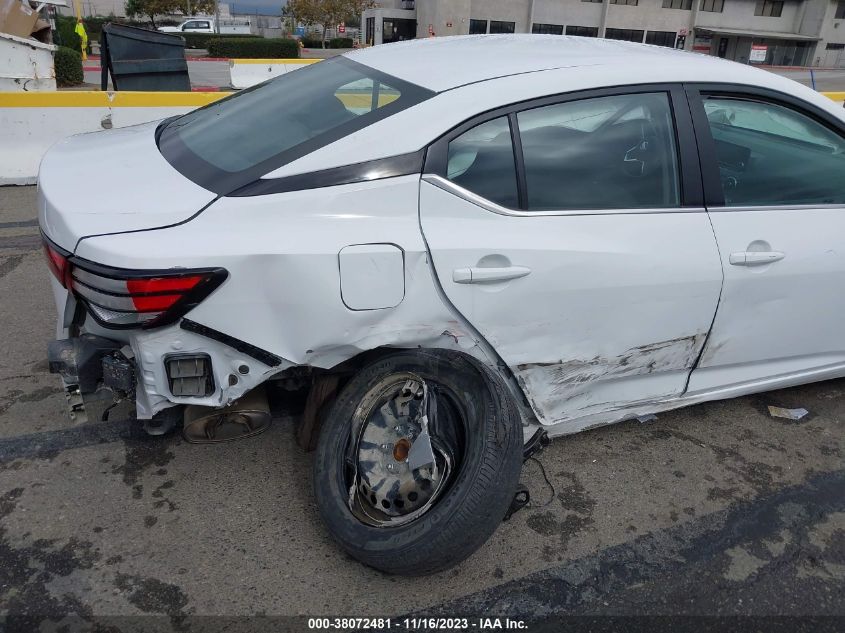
{"x": 715, "y": 510}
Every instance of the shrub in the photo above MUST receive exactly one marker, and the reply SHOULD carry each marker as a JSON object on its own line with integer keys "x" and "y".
{"x": 201, "y": 40}
{"x": 245, "y": 48}
{"x": 340, "y": 42}
{"x": 310, "y": 42}
{"x": 65, "y": 26}
{"x": 68, "y": 67}
{"x": 94, "y": 26}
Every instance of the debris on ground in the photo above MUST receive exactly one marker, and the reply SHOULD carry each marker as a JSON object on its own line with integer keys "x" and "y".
{"x": 789, "y": 414}
{"x": 643, "y": 419}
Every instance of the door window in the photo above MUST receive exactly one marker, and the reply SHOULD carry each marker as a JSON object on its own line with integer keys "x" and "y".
{"x": 482, "y": 161}
{"x": 771, "y": 155}
{"x": 605, "y": 153}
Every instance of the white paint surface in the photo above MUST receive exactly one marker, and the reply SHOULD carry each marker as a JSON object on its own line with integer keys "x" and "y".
{"x": 372, "y": 276}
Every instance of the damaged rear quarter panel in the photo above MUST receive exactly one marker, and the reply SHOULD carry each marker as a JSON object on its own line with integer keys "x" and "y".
{"x": 284, "y": 293}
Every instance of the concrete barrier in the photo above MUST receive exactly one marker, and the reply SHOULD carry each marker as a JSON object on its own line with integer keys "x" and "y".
{"x": 30, "y": 122}
{"x": 245, "y": 73}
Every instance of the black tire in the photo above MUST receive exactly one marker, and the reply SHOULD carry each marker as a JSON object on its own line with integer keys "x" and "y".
{"x": 467, "y": 513}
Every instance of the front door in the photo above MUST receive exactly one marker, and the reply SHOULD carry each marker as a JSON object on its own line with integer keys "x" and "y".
{"x": 779, "y": 218}
{"x": 561, "y": 233}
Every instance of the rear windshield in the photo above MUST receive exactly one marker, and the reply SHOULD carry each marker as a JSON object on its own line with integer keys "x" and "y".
{"x": 235, "y": 141}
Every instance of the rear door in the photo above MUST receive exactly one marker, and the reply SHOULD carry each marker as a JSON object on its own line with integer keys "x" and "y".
{"x": 571, "y": 233}
{"x": 775, "y": 174}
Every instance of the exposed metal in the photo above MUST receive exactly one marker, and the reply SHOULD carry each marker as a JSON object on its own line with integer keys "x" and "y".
{"x": 248, "y": 416}
{"x": 399, "y": 470}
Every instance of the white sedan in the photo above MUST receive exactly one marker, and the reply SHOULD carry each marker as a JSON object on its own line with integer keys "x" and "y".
{"x": 460, "y": 244}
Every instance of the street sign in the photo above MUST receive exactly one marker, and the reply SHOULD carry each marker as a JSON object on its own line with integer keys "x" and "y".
{"x": 758, "y": 53}
{"x": 299, "y": 30}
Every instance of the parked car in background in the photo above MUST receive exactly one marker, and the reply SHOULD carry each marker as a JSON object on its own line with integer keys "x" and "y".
{"x": 461, "y": 244}
{"x": 207, "y": 25}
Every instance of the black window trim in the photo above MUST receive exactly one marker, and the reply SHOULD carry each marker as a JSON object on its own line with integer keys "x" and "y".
{"x": 689, "y": 176}
{"x": 224, "y": 183}
{"x": 714, "y": 198}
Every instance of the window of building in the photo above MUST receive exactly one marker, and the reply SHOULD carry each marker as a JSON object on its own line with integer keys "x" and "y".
{"x": 481, "y": 160}
{"x": 547, "y": 29}
{"x": 629, "y": 35}
{"x": 840, "y": 11}
{"x": 502, "y": 27}
{"x": 713, "y": 6}
{"x": 686, "y": 5}
{"x": 477, "y": 27}
{"x": 631, "y": 3}
{"x": 605, "y": 153}
{"x": 835, "y": 47}
{"x": 796, "y": 160}
{"x": 593, "y": 1}
{"x": 661, "y": 38}
{"x": 583, "y": 31}
{"x": 769, "y": 8}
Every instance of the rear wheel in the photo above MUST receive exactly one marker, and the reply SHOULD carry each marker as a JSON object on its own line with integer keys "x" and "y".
{"x": 418, "y": 461}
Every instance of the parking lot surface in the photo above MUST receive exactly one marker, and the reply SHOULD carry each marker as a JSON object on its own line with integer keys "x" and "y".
{"x": 718, "y": 509}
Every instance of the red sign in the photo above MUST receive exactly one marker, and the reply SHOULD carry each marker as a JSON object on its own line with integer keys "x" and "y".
{"x": 683, "y": 32}
{"x": 341, "y": 28}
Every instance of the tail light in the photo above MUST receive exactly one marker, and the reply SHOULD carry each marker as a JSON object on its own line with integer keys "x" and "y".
{"x": 57, "y": 261}
{"x": 119, "y": 298}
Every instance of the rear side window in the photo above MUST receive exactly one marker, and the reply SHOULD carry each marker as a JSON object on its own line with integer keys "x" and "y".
{"x": 235, "y": 141}
{"x": 605, "y": 153}
{"x": 771, "y": 155}
{"x": 482, "y": 161}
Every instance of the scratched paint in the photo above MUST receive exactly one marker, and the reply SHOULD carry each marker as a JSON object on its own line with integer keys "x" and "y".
{"x": 563, "y": 392}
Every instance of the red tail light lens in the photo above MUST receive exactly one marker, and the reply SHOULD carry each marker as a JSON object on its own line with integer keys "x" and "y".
{"x": 57, "y": 261}
{"x": 119, "y": 298}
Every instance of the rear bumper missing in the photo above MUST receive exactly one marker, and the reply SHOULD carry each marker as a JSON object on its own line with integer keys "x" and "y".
{"x": 91, "y": 367}
{"x": 160, "y": 368}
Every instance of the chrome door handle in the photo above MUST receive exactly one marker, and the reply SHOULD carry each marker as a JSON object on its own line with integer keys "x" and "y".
{"x": 483, "y": 275}
{"x": 755, "y": 258}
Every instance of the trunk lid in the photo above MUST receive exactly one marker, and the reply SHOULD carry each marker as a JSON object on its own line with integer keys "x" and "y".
{"x": 113, "y": 181}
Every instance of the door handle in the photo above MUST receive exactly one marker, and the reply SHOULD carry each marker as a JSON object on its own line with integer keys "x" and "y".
{"x": 755, "y": 258}
{"x": 482, "y": 275}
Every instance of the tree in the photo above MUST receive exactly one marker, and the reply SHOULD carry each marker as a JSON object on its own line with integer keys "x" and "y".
{"x": 152, "y": 8}
{"x": 327, "y": 12}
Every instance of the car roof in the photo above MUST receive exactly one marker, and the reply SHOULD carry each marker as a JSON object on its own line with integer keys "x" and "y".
{"x": 444, "y": 63}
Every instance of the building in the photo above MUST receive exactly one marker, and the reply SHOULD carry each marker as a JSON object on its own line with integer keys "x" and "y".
{"x": 778, "y": 32}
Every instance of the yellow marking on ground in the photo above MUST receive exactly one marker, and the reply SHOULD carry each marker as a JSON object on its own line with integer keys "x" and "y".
{"x": 97, "y": 99}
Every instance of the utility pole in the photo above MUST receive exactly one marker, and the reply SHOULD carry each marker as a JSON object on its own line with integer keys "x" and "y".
{"x": 217, "y": 16}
